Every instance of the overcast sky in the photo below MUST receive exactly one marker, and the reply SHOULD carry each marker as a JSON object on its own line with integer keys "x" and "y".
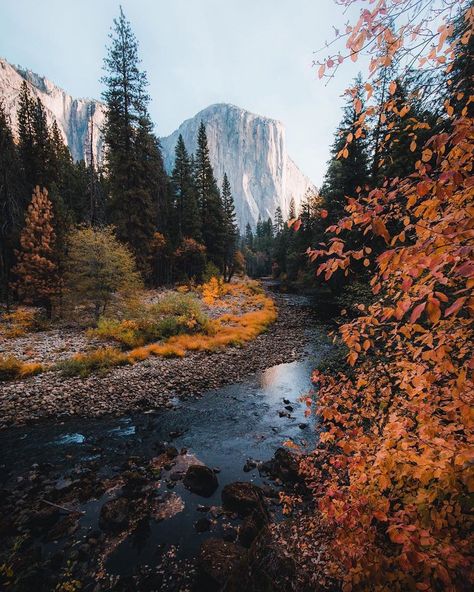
{"x": 256, "y": 54}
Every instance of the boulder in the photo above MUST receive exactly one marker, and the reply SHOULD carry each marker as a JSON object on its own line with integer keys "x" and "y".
{"x": 248, "y": 531}
{"x": 114, "y": 515}
{"x": 283, "y": 466}
{"x": 216, "y": 562}
{"x": 245, "y": 499}
{"x": 201, "y": 480}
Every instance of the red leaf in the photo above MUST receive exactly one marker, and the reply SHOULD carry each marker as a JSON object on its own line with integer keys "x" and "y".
{"x": 416, "y": 313}
{"x": 455, "y": 306}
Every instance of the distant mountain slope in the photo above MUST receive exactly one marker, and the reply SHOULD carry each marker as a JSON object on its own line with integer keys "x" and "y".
{"x": 72, "y": 115}
{"x": 251, "y": 149}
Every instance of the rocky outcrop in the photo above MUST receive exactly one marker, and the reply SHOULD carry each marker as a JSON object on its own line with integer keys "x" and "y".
{"x": 252, "y": 150}
{"x": 217, "y": 561}
{"x": 76, "y": 118}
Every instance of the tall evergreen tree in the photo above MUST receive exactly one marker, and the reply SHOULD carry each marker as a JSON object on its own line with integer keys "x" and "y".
{"x": 292, "y": 209}
{"x": 26, "y": 135}
{"x": 133, "y": 156}
{"x": 248, "y": 238}
{"x": 209, "y": 200}
{"x": 278, "y": 223}
{"x": 36, "y": 269}
{"x": 12, "y": 204}
{"x": 188, "y": 223}
{"x": 231, "y": 229}
{"x": 344, "y": 175}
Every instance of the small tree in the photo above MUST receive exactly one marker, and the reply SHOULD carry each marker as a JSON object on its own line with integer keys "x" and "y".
{"x": 190, "y": 259}
{"x": 231, "y": 229}
{"x": 98, "y": 267}
{"x": 36, "y": 267}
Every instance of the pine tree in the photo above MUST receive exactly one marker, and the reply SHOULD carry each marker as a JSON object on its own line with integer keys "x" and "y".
{"x": 36, "y": 267}
{"x": 278, "y": 222}
{"x": 344, "y": 175}
{"x": 188, "y": 223}
{"x": 26, "y": 135}
{"x": 231, "y": 229}
{"x": 11, "y": 204}
{"x": 248, "y": 236}
{"x": 209, "y": 200}
{"x": 133, "y": 155}
{"x": 292, "y": 209}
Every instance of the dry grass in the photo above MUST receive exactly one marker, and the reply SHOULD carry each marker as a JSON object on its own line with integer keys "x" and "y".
{"x": 11, "y": 368}
{"x": 227, "y": 330}
{"x": 98, "y": 360}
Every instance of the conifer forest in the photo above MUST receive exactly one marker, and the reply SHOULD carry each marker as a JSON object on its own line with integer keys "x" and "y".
{"x": 217, "y": 374}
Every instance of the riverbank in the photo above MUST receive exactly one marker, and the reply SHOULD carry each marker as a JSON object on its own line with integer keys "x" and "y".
{"x": 106, "y": 503}
{"x": 155, "y": 382}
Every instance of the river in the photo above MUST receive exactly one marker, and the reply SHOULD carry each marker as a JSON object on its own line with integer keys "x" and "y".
{"x": 224, "y": 429}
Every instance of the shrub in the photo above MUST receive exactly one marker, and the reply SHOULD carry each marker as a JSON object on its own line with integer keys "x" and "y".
{"x": 21, "y": 321}
{"x": 11, "y": 368}
{"x": 210, "y": 271}
{"x": 98, "y": 267}
{"x": 172, "y": 315}
{"x": 98, "y": 360}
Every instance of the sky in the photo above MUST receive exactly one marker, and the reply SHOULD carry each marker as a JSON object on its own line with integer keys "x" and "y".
{"x": 256, "y": 54}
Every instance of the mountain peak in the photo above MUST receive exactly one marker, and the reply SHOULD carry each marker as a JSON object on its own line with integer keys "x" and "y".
{"x": 251, "y": 149}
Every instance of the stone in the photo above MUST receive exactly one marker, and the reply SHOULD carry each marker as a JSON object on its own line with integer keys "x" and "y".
{"x": 216, "y": 562}
{"x": 245, "y": 499}
{"x": 201, "y": 480}
{"x": 114, "y": 515}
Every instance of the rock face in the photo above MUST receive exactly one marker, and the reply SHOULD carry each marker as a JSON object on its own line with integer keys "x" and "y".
{"x": 251, "y": 149}
{"x": 73, "y": 116}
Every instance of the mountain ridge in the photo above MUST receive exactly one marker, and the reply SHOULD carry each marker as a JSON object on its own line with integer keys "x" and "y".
{"x": 250, "y": 148}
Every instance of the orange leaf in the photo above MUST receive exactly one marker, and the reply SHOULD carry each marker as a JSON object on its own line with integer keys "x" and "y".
{"x": 416, "y": 313}
{"x": 455, "y": 306}
{"x": 392, "y": 87}
{"x": 426, "y": 155}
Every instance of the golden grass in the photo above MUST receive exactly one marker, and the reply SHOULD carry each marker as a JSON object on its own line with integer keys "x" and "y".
{"x": 11, "y": 368}
{"x": 227, "y": 330}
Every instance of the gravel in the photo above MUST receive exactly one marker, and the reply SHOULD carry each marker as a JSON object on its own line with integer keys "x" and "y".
{"x": 156, "y": 382}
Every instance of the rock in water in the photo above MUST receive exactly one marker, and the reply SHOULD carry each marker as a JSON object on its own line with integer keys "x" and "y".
{"x": 114, "y": 515}
{"x": 244, "y": 498}
{"x": 217, "y": 561}
{"x": 201, "y": 480}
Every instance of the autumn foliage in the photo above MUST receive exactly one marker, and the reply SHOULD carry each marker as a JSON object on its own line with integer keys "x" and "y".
{"x": 393, "y": 475}
{"x": 36, "y": 267}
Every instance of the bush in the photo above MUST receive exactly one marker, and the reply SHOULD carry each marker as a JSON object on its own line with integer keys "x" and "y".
{"x": 98, "y": 267}
{"x": 98, "y": 360}
{"x": 174, "y": 314}
{"x": 21, "y": 321}
{"x": 210, "y": 271}
{"x": 11, "y": 368}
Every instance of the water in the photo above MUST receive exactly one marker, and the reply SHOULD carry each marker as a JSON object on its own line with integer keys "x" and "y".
{"x": 223, "y": 429}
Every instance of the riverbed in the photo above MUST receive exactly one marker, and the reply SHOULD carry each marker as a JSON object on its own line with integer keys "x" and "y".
{"x": 62, "y": 472}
